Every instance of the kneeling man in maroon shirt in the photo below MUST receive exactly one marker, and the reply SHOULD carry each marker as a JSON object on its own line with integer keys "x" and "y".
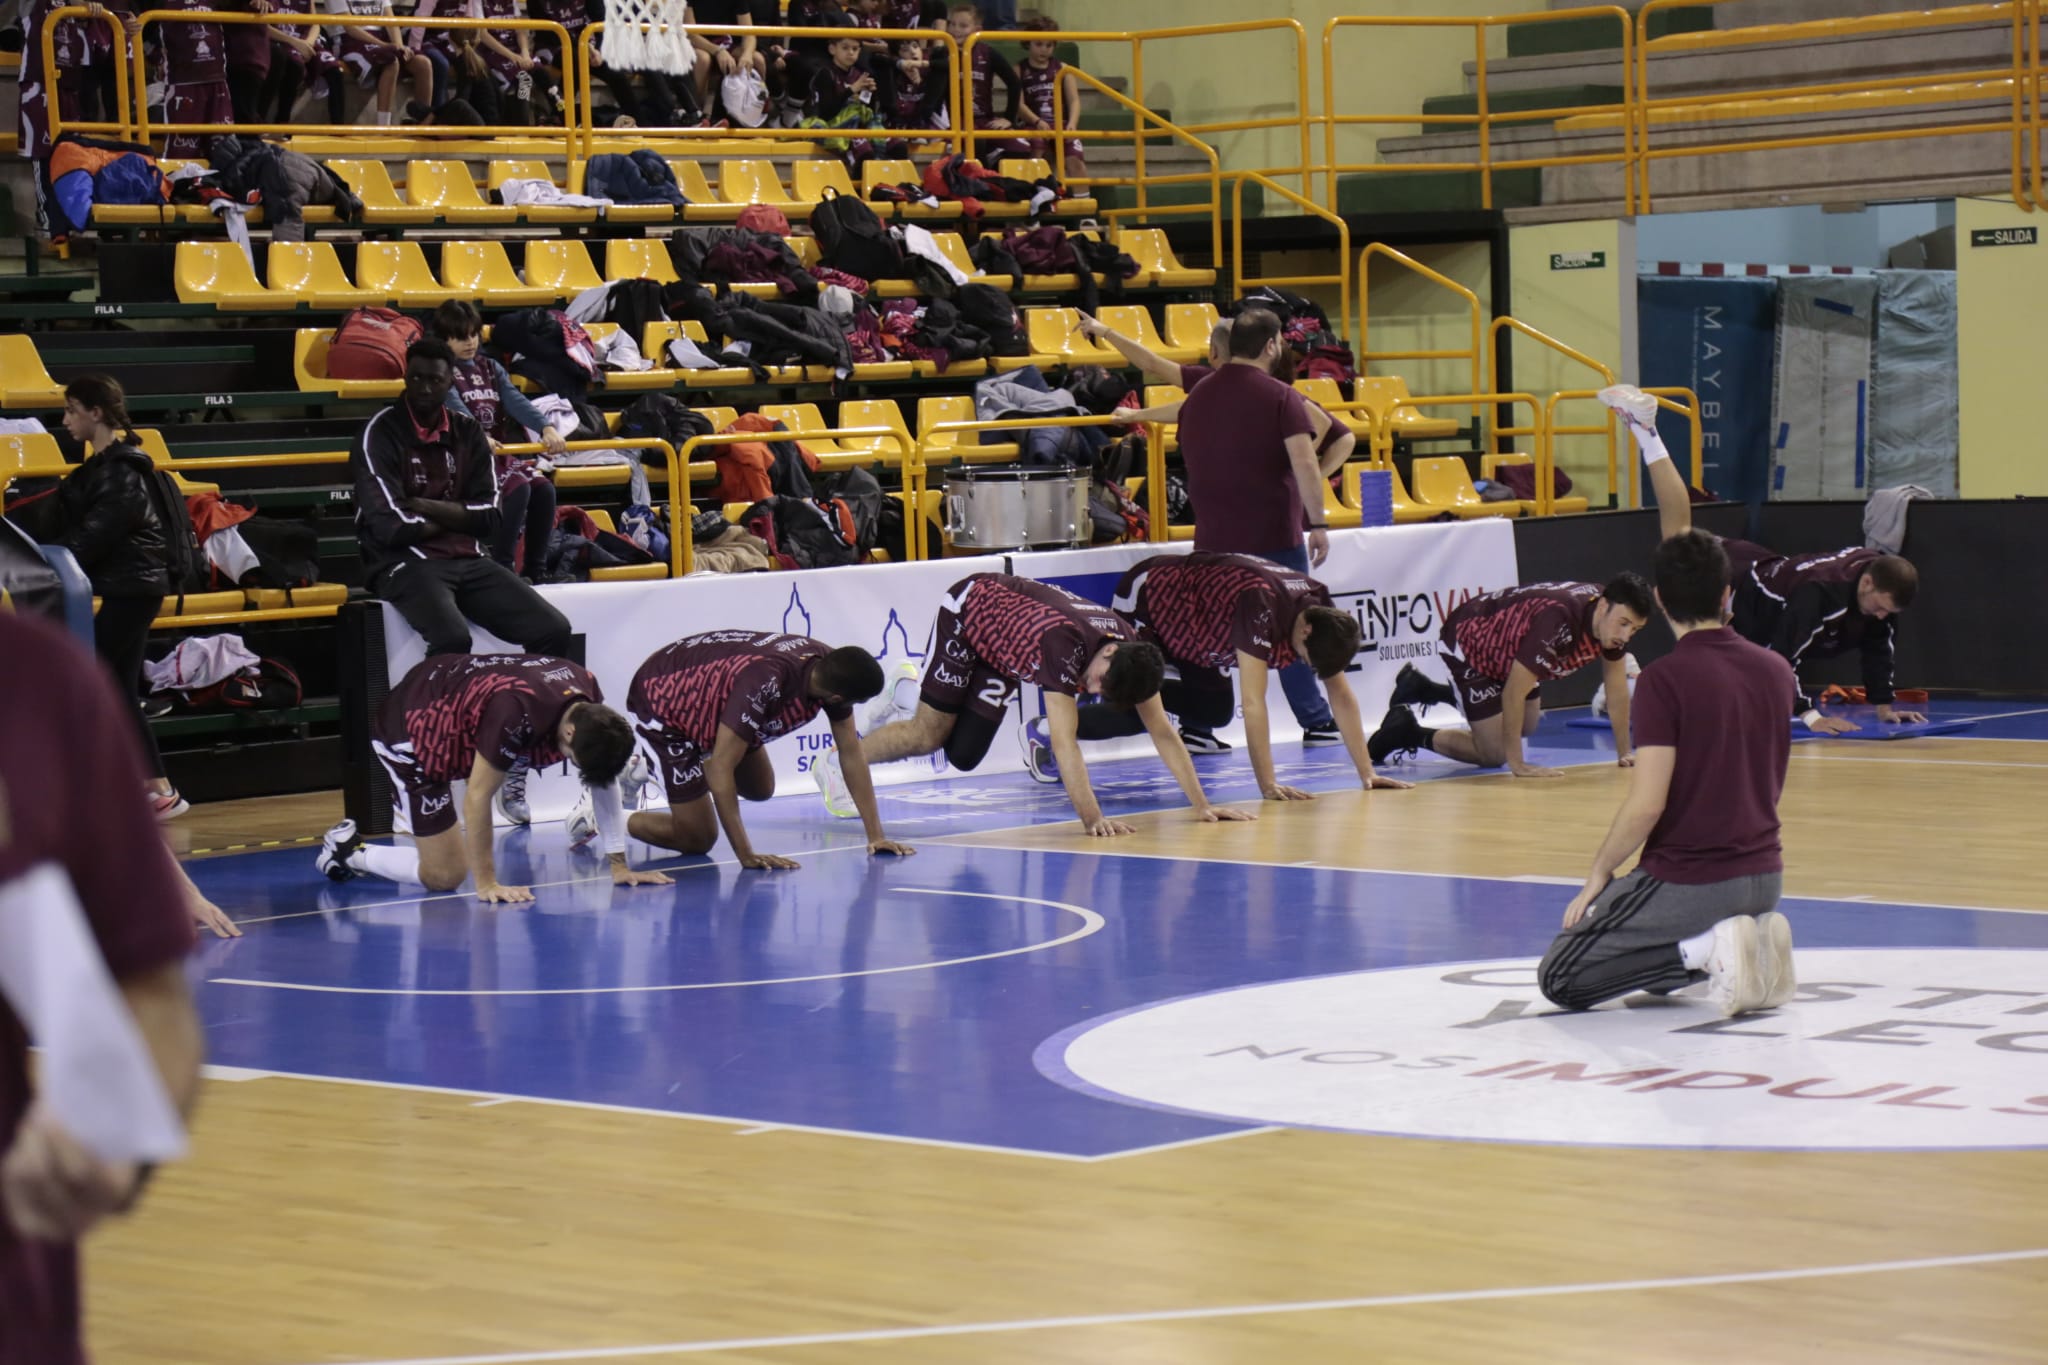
{"x": 1711, "y": 747}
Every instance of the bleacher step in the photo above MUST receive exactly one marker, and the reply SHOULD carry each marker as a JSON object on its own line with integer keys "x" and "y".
{"x": 1596, "y": 33}
{"x": 1526, "y": 101}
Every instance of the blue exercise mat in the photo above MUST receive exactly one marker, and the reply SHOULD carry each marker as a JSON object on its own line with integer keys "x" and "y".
{"x": 1872, "y": 728}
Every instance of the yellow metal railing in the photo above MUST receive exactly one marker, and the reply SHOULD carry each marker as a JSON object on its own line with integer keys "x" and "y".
{"x": 1244, "y": 279}
{"x": 124, "y": 103}
{"x": 682, "y": 549}
{"x": 1367, "y": 355}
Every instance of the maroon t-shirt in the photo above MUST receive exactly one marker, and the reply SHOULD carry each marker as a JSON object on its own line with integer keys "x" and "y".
{"x": 1204, "y": 608}
{"x": 1233, "y": 441}
{"x": 194, "y": 53}
{"x": 1720, "y": 701}
{"x": 756, "y": 683}
{"x": 1547, "y": 627}
{"x": 504, "y": 707}
{"x": 71, "y": 781}
{"x": 1032, "y": 632}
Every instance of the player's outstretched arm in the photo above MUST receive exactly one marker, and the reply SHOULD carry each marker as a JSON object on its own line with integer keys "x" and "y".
{"x": 1614, "y": 676}
{"x": 721, "y": 774}
{"x": 853, "y": 766}
{"x": 1351, "y": 725}
{"x": 1063, "y": 719}
{"x": 1258, "y": 729}
{"x": 484, "y": 781}
{"x": 1166, "y": 739}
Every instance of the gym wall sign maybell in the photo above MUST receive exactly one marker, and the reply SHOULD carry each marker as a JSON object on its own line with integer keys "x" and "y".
{"x": 1578, "y": 260}
{"x": 2023, "y": 236}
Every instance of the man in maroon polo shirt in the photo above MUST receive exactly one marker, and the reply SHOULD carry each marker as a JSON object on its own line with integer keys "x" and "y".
{"x": 68, "y": 767}
{"x": 1711, "y": 750}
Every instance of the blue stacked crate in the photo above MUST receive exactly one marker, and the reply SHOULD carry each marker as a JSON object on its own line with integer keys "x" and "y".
{"x": 1375, "y": 497}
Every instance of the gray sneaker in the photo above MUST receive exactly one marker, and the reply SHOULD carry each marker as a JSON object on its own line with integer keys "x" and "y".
{"x": 1635, "y": 406}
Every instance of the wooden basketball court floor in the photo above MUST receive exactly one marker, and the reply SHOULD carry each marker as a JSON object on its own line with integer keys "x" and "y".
{"x": 1273, "y": 1092}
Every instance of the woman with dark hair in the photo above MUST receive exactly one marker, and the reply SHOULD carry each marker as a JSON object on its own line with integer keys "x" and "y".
{"x": 484, "y": 391}
{"x": 111, "y": 523}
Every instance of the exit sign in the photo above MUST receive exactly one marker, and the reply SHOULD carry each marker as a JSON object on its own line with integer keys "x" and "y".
{"x": 1585, "y": 260}
{"x": 2025, "y": 236}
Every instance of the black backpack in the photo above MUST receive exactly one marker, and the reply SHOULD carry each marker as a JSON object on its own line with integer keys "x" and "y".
{"x": 184, "y": 559}
{"x": 851, "y": 238}
{"x": 988, "y": 308}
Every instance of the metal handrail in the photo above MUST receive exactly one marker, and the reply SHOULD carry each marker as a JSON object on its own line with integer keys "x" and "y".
{"x": 123, "y": 99}
{"x": 1366, "y": 355}
{"x": 682, "y": 550}
{"x": 1244, "y": 280}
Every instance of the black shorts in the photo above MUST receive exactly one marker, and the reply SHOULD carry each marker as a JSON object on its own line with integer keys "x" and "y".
{"x": 1478, "y": 695}
{"x": 429, "y": 805}
{"x": 956, "y": 680}
{"x": 681, "y": 762}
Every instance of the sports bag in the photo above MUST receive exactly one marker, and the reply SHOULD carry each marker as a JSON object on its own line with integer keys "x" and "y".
{"x": 371, "y": 343}
{"x": 851, "y": 238}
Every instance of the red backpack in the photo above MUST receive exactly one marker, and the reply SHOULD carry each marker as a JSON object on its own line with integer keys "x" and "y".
{"x": 371, "y": 344}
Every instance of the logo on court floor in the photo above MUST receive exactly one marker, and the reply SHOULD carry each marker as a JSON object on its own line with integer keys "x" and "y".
{"x": 1882, "y": 1048}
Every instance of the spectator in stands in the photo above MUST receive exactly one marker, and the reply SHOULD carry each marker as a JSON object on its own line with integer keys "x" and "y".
{"x": 1040, "y": 75}
{"x": 248, "y": 61}
{"x": 82, "y": 81}
{"x": 109, "y": 517}
{"x": 65, "y": 775}
{"x": 844, "y": 96}
{"x": 426, "y": 500}
{"x": 196, "y": 63}
{"x": 796, "y": 62}
{"x": 869, "y": 14}
{"x": 482, "y": 389}
{"x": 509, "y": 54}
{"x": 300, "y": 57}
{"x": 720, "y": 55}
{"x": 379, "y": 50}
{"x": 986, "y": 67}
{"x": 915, "y": 100}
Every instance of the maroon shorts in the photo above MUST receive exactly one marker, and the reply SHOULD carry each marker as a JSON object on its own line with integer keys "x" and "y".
{"x": 429, "y": 805}
{"x": 366, "y": 58}
{"x": 681, "y": 760}
{"x": 1478, "y": 695}
{"x": 955, "y": 680}
{"x": 203, "y": 102}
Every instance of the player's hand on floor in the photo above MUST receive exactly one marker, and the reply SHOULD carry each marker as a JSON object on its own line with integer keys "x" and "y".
{"x": 1106, "y": 828}
{"x": 890, "y": 847}
{"x": 207, "y": 915}
{"x": 494, "y": 894}
{"x": 767, "y": 862}
{"x": 626, "y": 876}
{"x": 1210, "y": 815}
{"x": 1530, "y": 770}
{"x": 1891, "y": 717}
{"x": 1276, "y": 792}
{"x": 1625, "y": 761}
{"x": 1834, "y": 725}
{"x": 1388, "y": 784}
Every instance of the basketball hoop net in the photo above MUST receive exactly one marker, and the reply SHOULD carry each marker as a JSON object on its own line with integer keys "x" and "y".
{"x": 647, "y": 35}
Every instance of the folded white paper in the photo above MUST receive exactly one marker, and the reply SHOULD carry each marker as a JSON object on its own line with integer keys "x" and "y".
{"x": 97, "y": 1076}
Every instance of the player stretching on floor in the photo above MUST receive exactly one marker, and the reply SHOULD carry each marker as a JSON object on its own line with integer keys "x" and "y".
{"x": 1797, "y": 606}
{"x": 708, "y": 704}
{"x": 475, "y": 716}
{"x": 1210, "y": 612}
{"x": 996, "y": 631}
{"x": 1499, "y": 648}
{"x": 1702, "y": 804}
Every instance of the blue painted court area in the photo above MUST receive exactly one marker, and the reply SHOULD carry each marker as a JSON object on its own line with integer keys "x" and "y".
{"x": 894, "y": 998}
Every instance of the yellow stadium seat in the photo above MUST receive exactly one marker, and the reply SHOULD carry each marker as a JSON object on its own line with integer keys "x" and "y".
{"x": 447, "y": 188}
{"x": 801, "y": 418}
{"x": 398, "y": 270}
{"x": 654, "y": 345}
{"x": 873, "y": 173}
{"x": 32, "y": 451}
{"x": 309, "y": 364}
{"x": 218, "y": 273}
{"x": 638, "y": 258}
{"x": 24, "y": 382}
{"x": 955, "y": 251}
{"x": 751, "y": 182}
{"x": 1443, "y": 484}
{"x": 944, "y": 445}
{"x": 875, "y": 412}
{"x": 1057, "y": 332}
{"x": 1135, "y": 321}
{"x": 312, "y": 595}
{"x": 372, "y": 184}
{"x": 482, "y": 271}
{"x": 563, "y": 268}
{"x": 1388, "y": 394}
{"x": 1157, "y": 265}
{"x": 498, "y": 172}
{"x": 720, "y": 417}
{"x": 808, "y": 180}
{"x": 705, "y": 205}
{"x": 662, "y": 376}
{"x": 620, "y": 573}
{"x": 311, "y": 272}
{"x": 1328, "y": 394}
{"x": 1188, "y": 326}
{"x": 1490, "y": 466}
{"x": 1037, "y": 168}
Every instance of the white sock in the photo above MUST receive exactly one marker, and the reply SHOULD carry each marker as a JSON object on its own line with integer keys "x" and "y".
{"x": 1649, "y": 442}
{"x": 383, "y": 118}
{"x": 1696, "y": 950}
{"x": 388, "y": 861}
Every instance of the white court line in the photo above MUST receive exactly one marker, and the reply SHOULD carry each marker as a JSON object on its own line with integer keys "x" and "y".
{"x": 1810, "y": 756}
{"x": 1247, "y": 1310}
{"x": 759, "y": 1128}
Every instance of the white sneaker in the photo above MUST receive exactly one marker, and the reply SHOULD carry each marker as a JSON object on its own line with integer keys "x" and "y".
{"x": 1038, "y": 759}
{"x": 1732, "y": 976}
{"x": 335, "y": 848}
{"x": 838, "y": 798}
{"x": 582, "y": 821}
{"x": 898, "y": 700}
{"x": 1774, "y": 948}
{"x": 510, "y": 800}
{"x": 634, "y": 781}
{"x": 1637, "y": 407}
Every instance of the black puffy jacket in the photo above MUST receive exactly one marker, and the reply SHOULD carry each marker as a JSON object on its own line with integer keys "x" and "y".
{"x": 111, "y": 523}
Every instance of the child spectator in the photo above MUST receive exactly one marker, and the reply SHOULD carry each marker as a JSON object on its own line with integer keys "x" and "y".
{"x": 482, "y": 389}
{"x": 300, "y": 57}
{"x": 795, "y": 64}
{"x": 248, "y": 60}
{"x": 986, "y": 67}
{"x": 915, "y": 99}
{"x": 196, "y": 66}
{"x": 723, "y": 55}
{"x": 370, "y": 49}
{"x": 1040, "y": 75}
{"x": 844, "y": 94}
{"x": 84, "y": 55}
{"x": 869, "y": 14}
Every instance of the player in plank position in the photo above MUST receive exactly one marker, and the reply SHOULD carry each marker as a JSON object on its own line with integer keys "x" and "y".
{"x": 1797, "y": 606}
{"x": 475, "y": 716}
{"x": 1498, "y": 648}
{"x": 995, "y": 632}
{"x": 1701, "y": 905}
{"x": 1210, "y": 612}
{"x": 709, "y": 704}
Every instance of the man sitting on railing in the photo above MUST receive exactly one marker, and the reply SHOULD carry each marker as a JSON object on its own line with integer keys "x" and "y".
{"x": 426, "y": 505}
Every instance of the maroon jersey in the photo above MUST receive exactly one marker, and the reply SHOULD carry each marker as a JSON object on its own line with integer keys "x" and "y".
{"x": 1801, "y": 606}
{"x": 1031, "y": 632}
{"x": 1546, "y": 627}
{"x": 195, "y": 54}
{"x": 71, "y": 780}
{"x": 75, "y": 41}
{"x": 1035, "y": 86}
{"x": 572, "y": 15}
{"x": 1205, "y": 608}
{"x": 504, "y": 708}
{"x": 476, "y": 379}
{"x": 755, "y": 683}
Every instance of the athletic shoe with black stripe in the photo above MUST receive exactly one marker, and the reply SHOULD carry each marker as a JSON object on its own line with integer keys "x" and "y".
{"x": 1200, "y": 742}
{"x": 336, "y": 847}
